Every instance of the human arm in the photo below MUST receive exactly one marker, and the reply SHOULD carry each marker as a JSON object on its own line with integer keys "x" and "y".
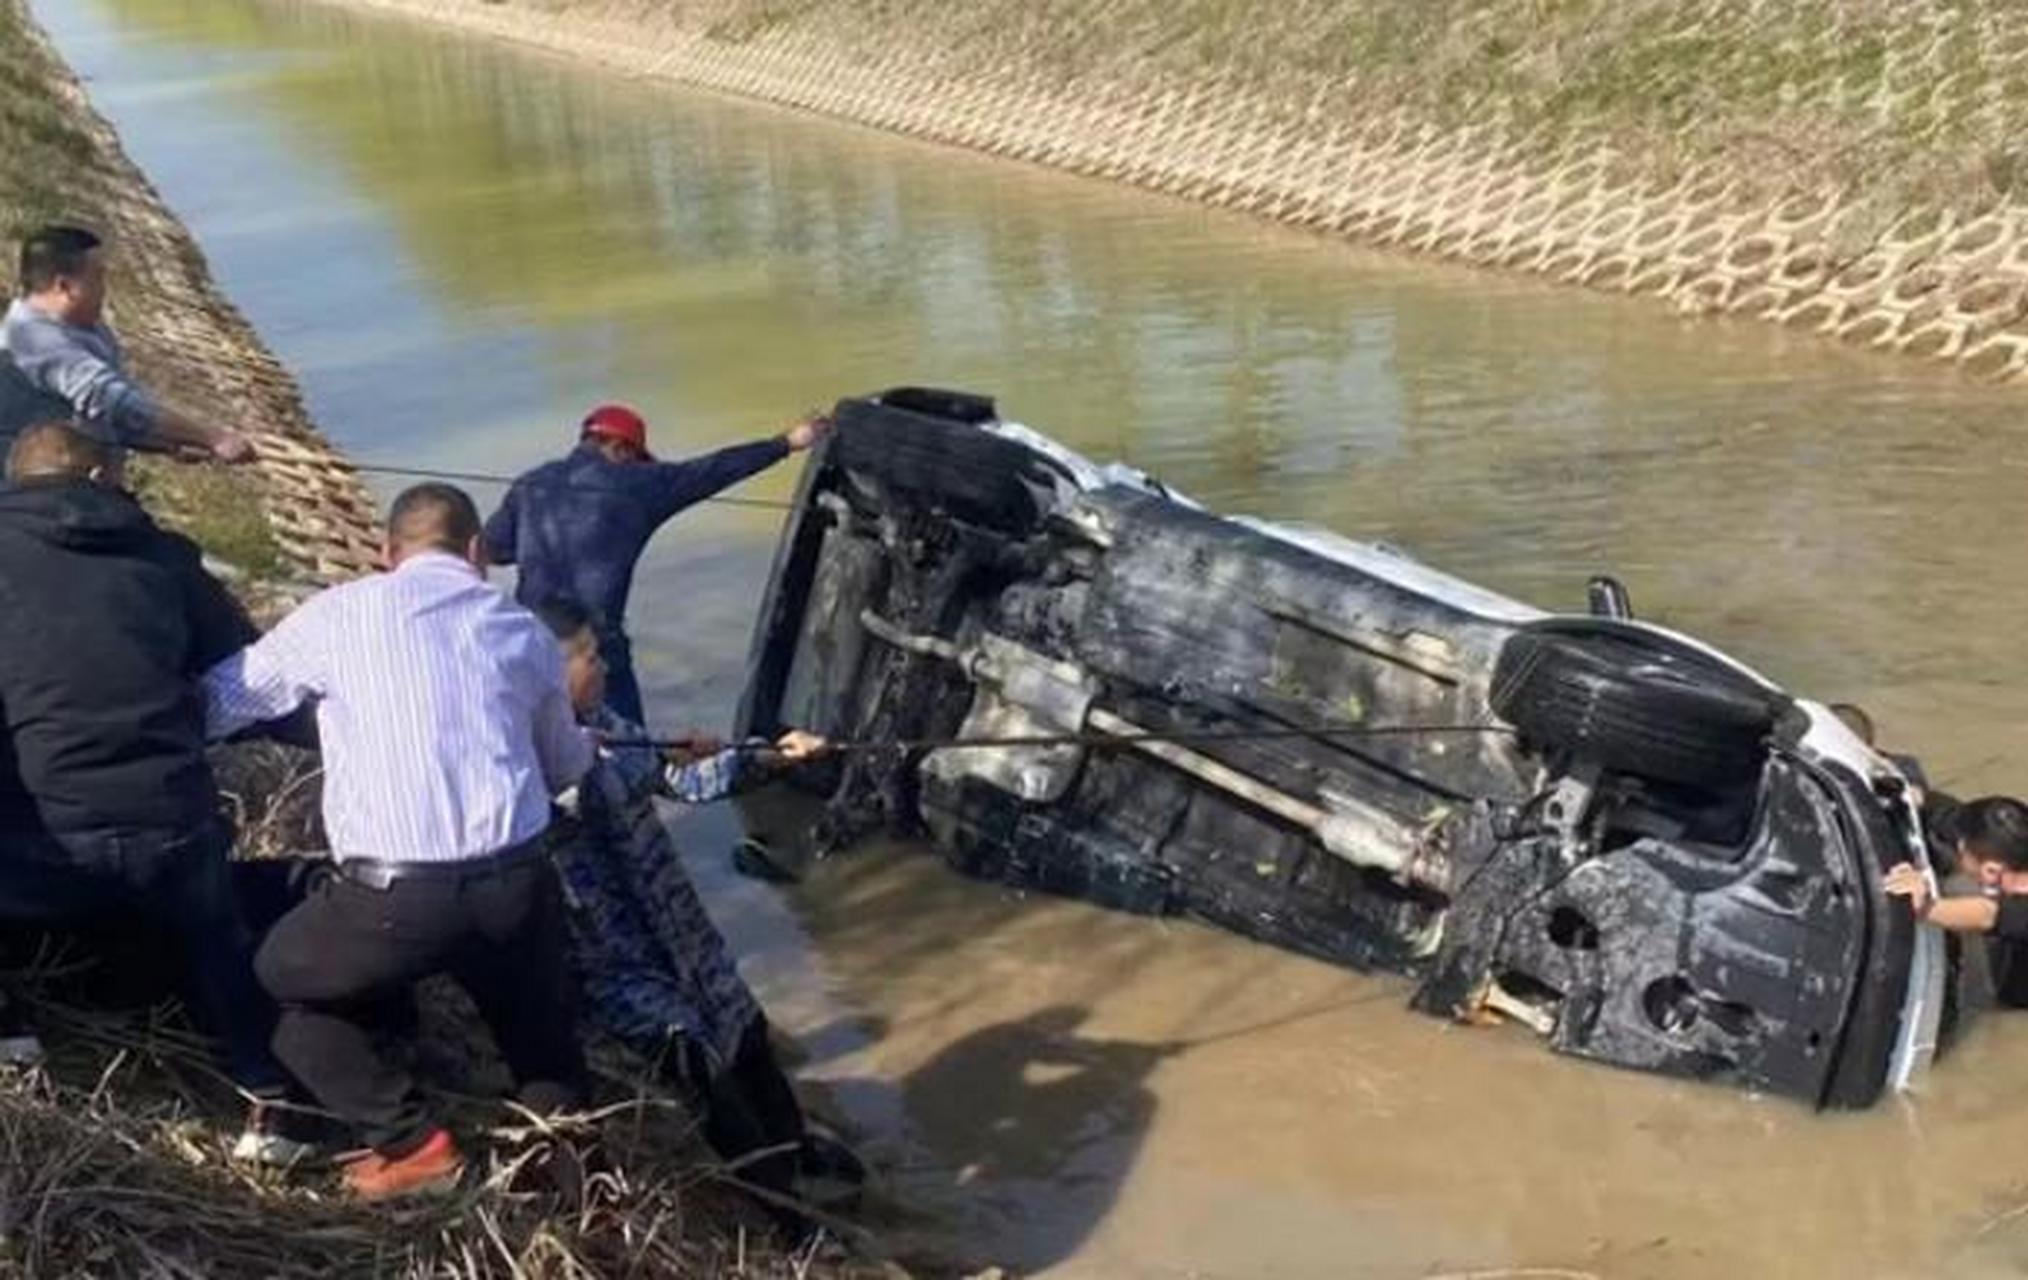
{"x": 268, "y": 679}
{"x": 562, "y": 747}
{"x": 1962, "y": 914}
{"x": 174, "y": 427}
{"x": 58, "y": 360}
{"x": 503, "y": 528}
{"x": 219, "y": 628}
{"x": 674, "y": 486}
{"x": 705, "y": 778}
{"x": 718, "y": 773}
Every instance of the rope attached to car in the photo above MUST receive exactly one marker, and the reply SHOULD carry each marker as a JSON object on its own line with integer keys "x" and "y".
{"x": 482, "y": 477}
{"x": 1321, "y": 733}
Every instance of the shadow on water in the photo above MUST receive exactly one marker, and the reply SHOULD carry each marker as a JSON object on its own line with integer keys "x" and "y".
{"x": 1037, "y": 1122}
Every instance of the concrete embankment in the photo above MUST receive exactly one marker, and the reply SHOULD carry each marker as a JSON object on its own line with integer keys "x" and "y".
{"x": 1849, "y": 169}
{"x": 301, "y": 512}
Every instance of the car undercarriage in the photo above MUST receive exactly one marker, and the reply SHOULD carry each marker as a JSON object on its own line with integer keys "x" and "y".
{"x": 1600, "y": 830}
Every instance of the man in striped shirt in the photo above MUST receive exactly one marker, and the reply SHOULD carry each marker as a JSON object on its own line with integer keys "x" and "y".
{"x": 446, "y": 730}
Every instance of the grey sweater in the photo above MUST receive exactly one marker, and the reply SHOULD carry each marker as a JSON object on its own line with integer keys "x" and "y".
{"x": 52, "y": 370}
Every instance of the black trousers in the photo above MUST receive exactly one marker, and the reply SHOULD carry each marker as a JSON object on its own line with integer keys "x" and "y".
{"x": 336, "y": 963}
{"x": 182, "y": 879}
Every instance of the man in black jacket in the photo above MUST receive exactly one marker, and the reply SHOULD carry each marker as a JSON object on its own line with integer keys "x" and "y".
{"x": 107, "y": 801}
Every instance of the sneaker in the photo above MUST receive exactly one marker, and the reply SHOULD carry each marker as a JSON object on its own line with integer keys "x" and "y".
{"x": 434, "y": 1168}
{"x": 273, "y": 1137}
{"x": 19, "y": 1045}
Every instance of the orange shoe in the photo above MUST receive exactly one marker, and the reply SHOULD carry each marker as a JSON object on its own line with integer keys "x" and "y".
{"x": 434, "y": 1168}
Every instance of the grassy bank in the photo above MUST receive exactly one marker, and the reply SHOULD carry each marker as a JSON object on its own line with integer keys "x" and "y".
{"x": 113, "y": 1159}
{"x": 1917, "y": 101}
{"x": 52, "y": 169}
{"x": 300, "y": 513}
{"x": 1851, "y": 168}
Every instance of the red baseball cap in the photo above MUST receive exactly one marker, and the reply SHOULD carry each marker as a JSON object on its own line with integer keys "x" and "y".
{"x": 618, "y": 422}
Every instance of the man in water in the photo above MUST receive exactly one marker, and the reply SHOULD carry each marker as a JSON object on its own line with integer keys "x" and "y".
{"x": 1989, "y": 838}
{"x": 58, "y": 360}
{"x": 577, "y": 526}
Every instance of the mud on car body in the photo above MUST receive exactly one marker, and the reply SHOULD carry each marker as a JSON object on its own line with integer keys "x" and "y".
{"x": 1610, "y": 833}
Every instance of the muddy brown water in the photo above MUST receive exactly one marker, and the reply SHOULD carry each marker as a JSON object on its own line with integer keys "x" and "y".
{"x": 458, "y": 247}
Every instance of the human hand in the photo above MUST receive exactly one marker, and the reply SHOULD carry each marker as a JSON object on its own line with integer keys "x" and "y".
{"x": 809, "y": 432}
{"x": 232, "y": 447}
{"x": 798, "y": 745}
{"x": 1906, "y": 880}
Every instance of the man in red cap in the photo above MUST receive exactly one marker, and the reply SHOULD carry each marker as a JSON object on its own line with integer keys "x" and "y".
{"x": 577, "y": 526}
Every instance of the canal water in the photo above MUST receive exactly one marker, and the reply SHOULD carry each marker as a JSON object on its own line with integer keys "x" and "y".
{"x": 458, "y": 247}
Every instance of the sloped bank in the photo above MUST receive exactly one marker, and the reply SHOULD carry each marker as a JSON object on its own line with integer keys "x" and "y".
{"x": 301, "y": 512}
{"x": 112, "y": 1159}
{"x": 1850, "y": 169}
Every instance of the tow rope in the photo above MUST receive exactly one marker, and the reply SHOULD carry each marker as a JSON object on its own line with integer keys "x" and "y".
{"x": 1180, "y": 736}
{"x": 481, "y": 477}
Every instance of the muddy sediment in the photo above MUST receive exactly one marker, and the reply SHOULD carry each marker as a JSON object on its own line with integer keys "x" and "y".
{"x": 1850, "y": 171}
{"x": 301, "y": 511}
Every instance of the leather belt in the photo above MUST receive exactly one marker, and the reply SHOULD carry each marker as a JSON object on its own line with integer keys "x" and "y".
{"x": 375, "y": 873}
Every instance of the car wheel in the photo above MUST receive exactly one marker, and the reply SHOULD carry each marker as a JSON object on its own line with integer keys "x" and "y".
{"x": 959, "y": 468}
{"x": 1631, "y": 702}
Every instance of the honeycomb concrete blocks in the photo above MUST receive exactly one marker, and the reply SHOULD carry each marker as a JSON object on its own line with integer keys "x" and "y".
{"x": 183, "y": 333}
{"x": 1722, "y": 236}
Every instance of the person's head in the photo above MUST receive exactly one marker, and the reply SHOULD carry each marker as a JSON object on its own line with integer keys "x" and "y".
{"x": 583, "y": 669}
{"x": 1855, "y": 719}
{"x": 62, "y": 270}
{"x": 59, "y": 451}
{"x": 618, "y": 432}
{"x": 433, "y": 517}
{"x": 1992, "y": 841}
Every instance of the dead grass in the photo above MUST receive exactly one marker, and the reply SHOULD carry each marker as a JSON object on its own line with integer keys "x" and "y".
{"x": 112, "y": 1162}
{"x": 1902, "y": 99}
{"x": 113, "y": 1157}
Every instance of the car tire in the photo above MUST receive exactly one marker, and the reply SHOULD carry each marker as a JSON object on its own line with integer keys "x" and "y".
{"x": 1633, "y": 702}
{"x": 968, "y": 472}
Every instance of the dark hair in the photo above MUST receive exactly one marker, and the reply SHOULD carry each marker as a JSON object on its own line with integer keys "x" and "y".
{"x": 437, "y": 516}
{"x": 50, "y": 253}
{"x": 1995, "y": 827}
{"x": 54, "y": 449}
{"x": 563, "y": 616}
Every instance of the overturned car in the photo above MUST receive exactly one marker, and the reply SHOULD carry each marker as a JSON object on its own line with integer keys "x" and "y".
{"x": 1607, "y": 832}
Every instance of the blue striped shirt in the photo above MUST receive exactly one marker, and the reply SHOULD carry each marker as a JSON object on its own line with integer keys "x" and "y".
{"x": 440, "y": 702}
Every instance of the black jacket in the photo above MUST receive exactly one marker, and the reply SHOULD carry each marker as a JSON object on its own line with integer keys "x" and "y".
{"x": 106, "y": 623}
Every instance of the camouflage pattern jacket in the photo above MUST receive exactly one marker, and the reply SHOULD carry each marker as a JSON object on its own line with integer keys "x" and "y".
{"x": 651, "y": 962}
